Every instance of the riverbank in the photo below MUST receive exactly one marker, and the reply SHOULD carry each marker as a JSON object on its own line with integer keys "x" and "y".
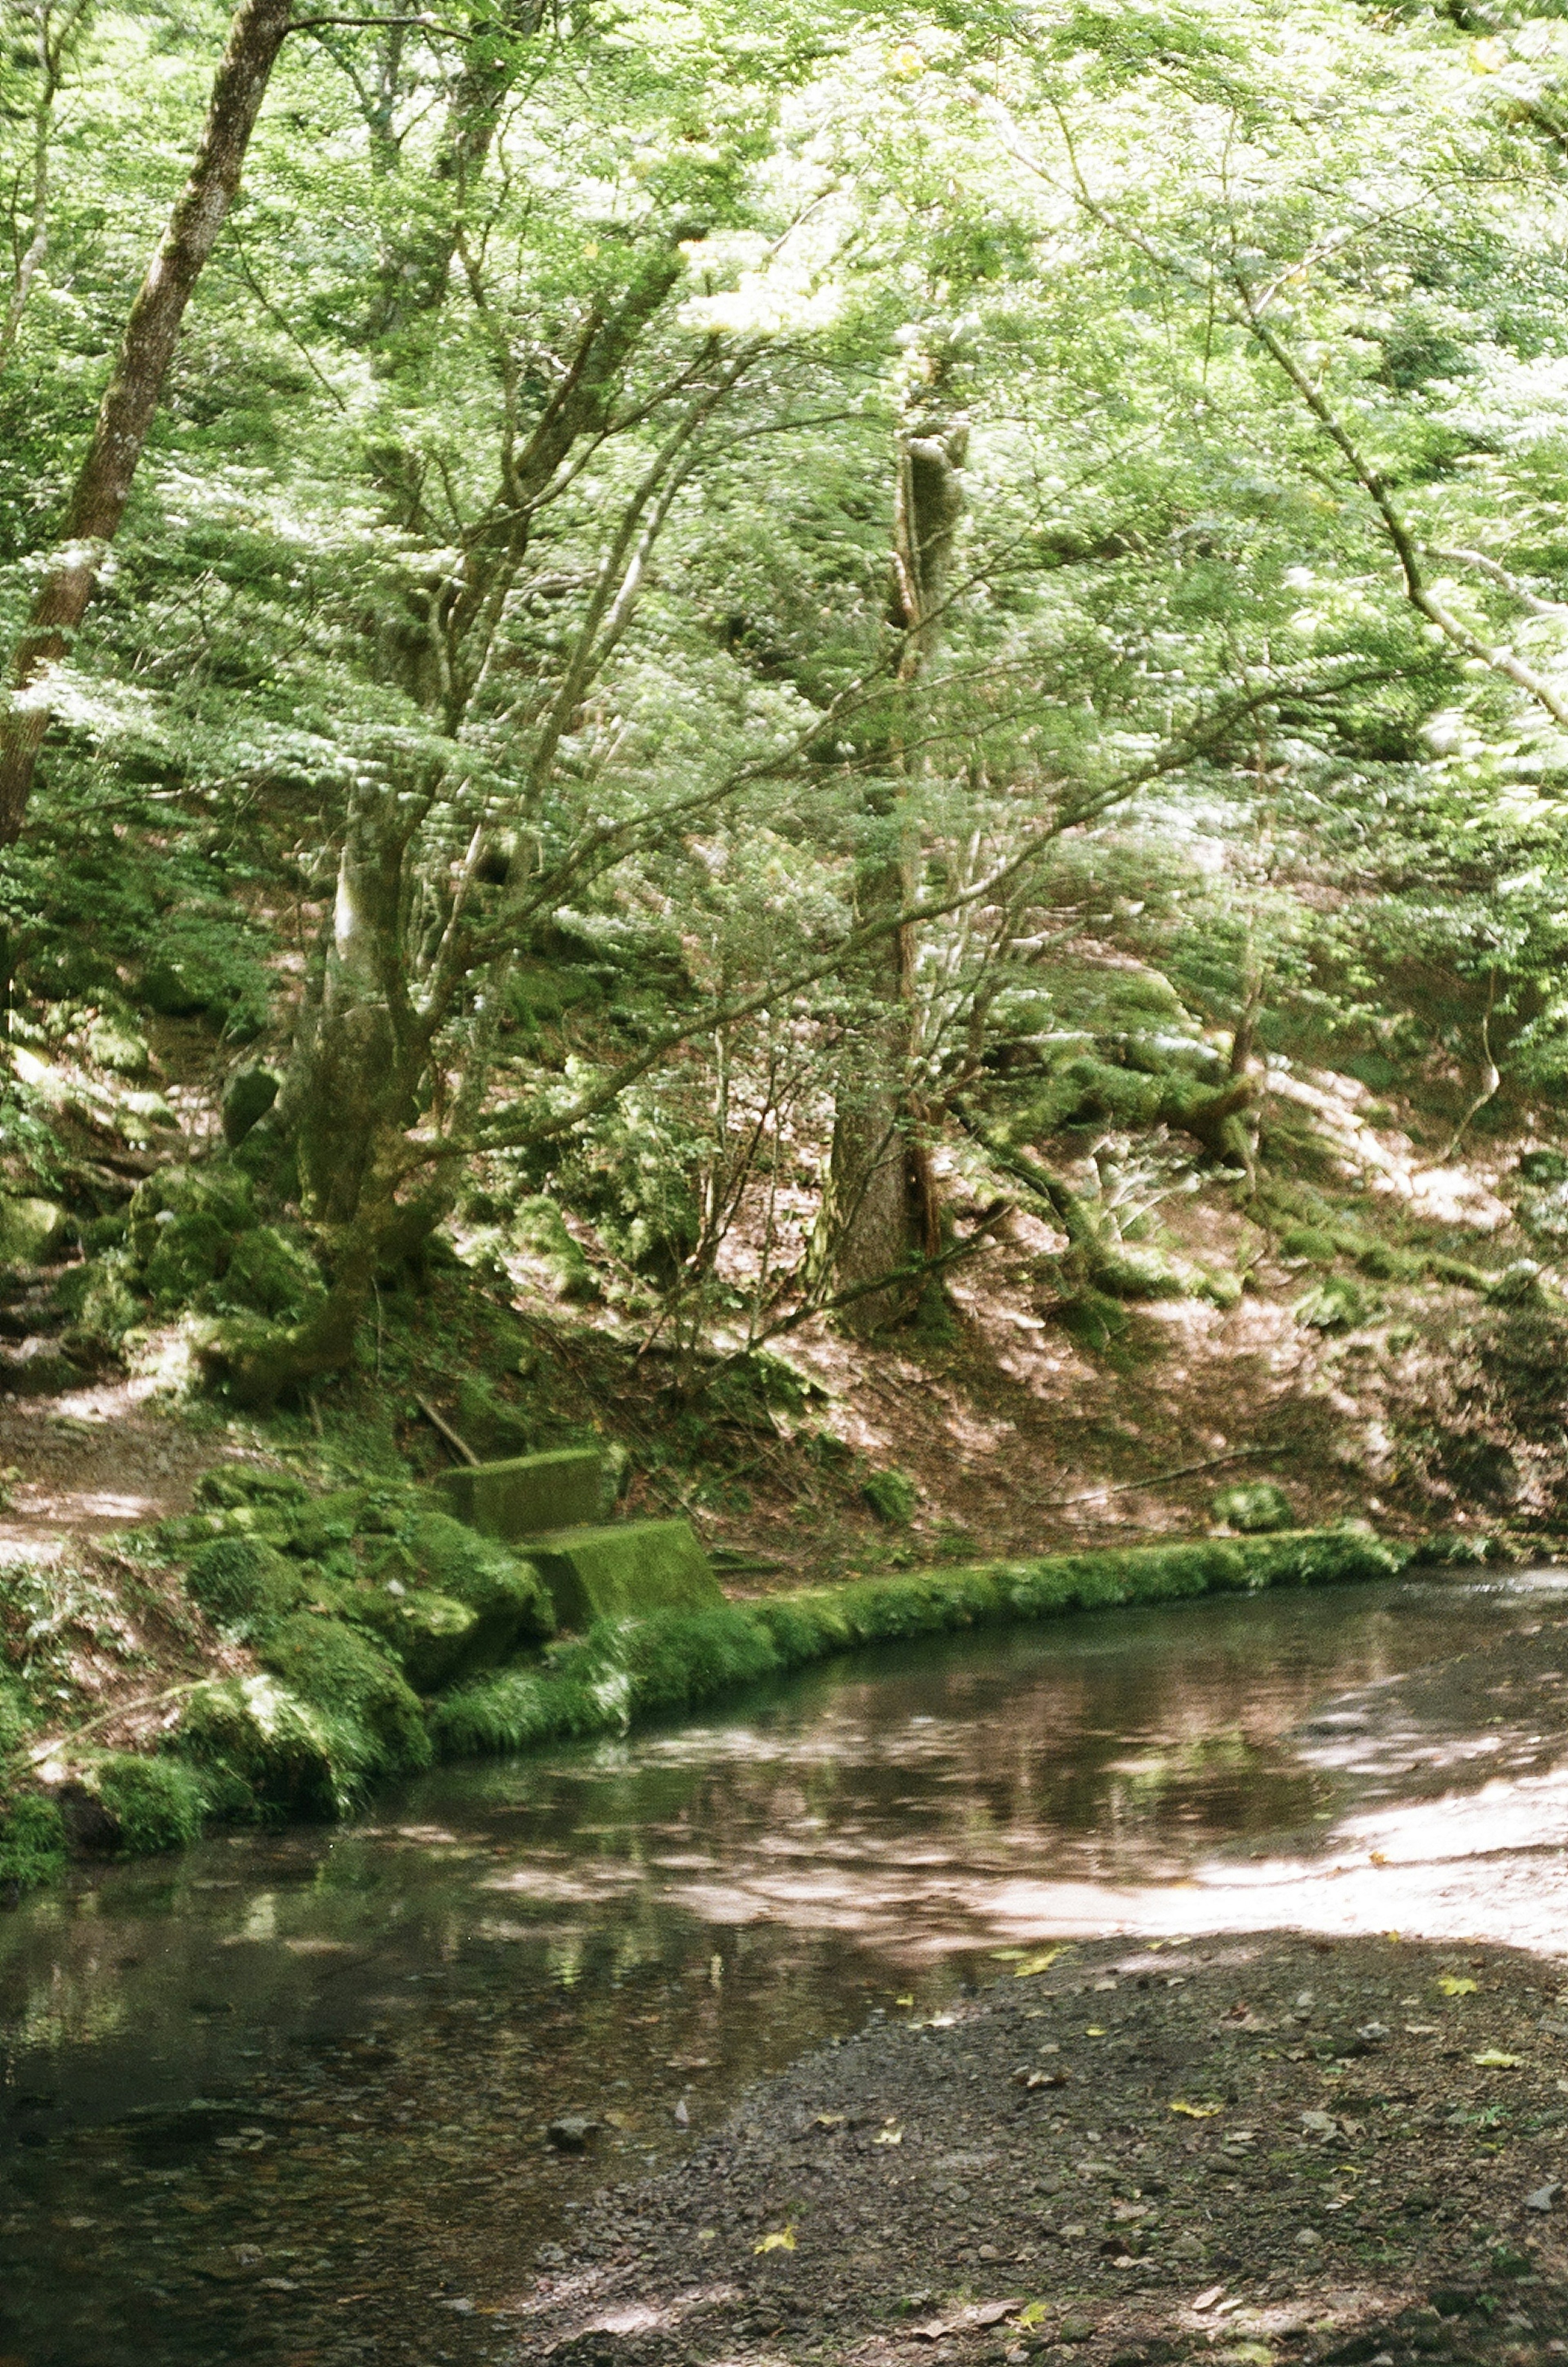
{"x": 313, "y": 1706}
{"x": 1251, "y": 2151}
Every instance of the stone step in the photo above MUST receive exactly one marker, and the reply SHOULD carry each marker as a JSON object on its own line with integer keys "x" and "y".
{"x": 528, "y": 1493}
{"x": 625, "y": 1570}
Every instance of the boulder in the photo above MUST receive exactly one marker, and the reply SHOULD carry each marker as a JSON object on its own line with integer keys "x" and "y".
{"x": 32, "y": 1231}
{"x": 527, "y": 1494}
{"x": 626, "y": 1571}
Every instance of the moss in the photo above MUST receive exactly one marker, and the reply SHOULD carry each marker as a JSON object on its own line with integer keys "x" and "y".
{"x": 155, "y": 1803}
{"x": 228, "y": 1484}
{"x": 31, "y": 1231}
{"x": 892, "y": 1496}
{"x": 629, "y": 1668}
{"x": 540, "y": 1229}
{"x": 1256, "y": 1507}
{"x": 488, "y": 1422}
{"x": 333, "y": 1667}
{"x": 32, "y": 1843}
{"x": 247, "y": 1097}
{"x": 528, "y": 1493}
{"x": 1335, "y": 1304}
{"x": 506, "y": 1592}
{"x": 263, "y": 1750}
{"x": 99, "y": 1301}
{"x": 243, "y": 1580}
{"x": 625, "y": 1571}
{"x": 1308, "y": 1241}
{"x": 267, "y": 1274}
{"x": 184, "y": 1223}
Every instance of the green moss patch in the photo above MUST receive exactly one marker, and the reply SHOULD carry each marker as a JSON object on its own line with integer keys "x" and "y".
{"x": 527, "y": 1494}
{"x": 627, "y": 1570}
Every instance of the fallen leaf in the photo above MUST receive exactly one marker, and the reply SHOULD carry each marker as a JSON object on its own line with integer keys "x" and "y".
{"x": 1319, "y": 2125}
{"x": 890, "y": 2136}
{"x": 1379, "y": 1858}
{"x": 1494, "y": 2059}
{"x": 903, "y": 2000}
{"x": 828, "y": 2120}
{"x": 1033, "y": 1965}
{"x": 707, "y": 2234}
{"x": 1421, "y": 2030}
{"x": 972, "y": 2319}
{"x": 781, "y": 2240}
{"x": 1452, "y": 1986}
{"x": 1033, "y": 2313}
{"x": 1007, "y": 1955}
{"x": 1207, "y": 2299}
{"x": 1197, "y": 2111}
{"x": 1544, "y": 2196}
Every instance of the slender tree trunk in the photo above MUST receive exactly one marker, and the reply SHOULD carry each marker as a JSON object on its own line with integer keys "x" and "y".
{"x": 880, "y": 1210}
{"x": 102, "y": 486}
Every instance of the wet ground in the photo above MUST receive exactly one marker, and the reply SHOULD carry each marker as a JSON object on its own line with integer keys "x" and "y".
{"x": 287, "y": 2099}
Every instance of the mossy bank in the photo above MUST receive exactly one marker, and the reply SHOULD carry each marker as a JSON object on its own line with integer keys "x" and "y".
{"x": 372, "y": 1635}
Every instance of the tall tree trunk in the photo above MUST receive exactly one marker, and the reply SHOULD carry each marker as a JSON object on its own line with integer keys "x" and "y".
{"x": 880, "y": 1210}
{"x": 102, "y": 486}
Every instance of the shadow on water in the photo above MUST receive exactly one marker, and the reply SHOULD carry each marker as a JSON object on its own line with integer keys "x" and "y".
{"x": 287, "y": 2098}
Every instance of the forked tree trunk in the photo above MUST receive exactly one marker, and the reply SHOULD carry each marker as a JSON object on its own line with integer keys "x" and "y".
{"x": 102, "y": 486}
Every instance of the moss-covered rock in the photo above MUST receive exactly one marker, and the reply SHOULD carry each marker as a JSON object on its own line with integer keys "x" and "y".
{"x": 1335, "y": 1304}
{"x": 538, "y": 1226}
{"x": 438, "y": 1556}
{"x": 152, "y": 1803}
{"x": 262, "y": 1751}
{"x": 432, "y": 1637}
{"x": 491, "y": 1427}
{"x": 115, "y": 1045}
{"x": 247, "y": 1097}
{"x": 244, "y": 1581}
{"x": 267, "y": 1272}
{"x": 184, "y": 1223}
{"x": 98, "y": 1300}
{"x": 332, "y": 1667}
{"x": 229, "y": 1484}
{"x": 32, "y": 1231}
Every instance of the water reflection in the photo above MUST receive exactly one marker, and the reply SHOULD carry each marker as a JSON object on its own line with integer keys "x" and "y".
{"x": 287, "y": 2099}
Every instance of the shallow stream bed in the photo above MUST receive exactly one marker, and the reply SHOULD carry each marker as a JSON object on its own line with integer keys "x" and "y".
{"x": 286, "y": 2098}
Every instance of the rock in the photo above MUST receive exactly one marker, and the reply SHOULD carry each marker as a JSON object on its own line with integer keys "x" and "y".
{"x": 623, "y": 1572}
{"x": 32, "y": 1231}
{"x": 1544, "y": 2197}
{"x": 247, "y": 1097}
{"x": 1308, "y": 2238}
{"x": 526, "y": 1494}
{"x": 572, "y": 2133}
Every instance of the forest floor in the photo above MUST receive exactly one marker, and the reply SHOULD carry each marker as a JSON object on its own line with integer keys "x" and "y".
{"x": 1247, "y": 2150}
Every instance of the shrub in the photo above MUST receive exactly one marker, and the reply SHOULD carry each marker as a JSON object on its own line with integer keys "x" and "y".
{"x": 156, "y": 1804}
{"x": 1255, "y": 1507}
{"x": 33, "y": 1843}
{"x": 892, "y": 1496}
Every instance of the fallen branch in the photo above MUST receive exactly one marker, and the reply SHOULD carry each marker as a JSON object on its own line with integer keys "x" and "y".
{"x": 1162, "y": 1478}
{"x": 445, "y": 1430}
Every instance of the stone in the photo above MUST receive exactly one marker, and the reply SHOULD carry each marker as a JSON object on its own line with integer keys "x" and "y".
{"x": 32, "y": 1231}
{"x": 527, "y": 1494}
{"x": 625, "y": 1571}
{"x": 572, "y": 2133}
{"x": 247, "y": 1097}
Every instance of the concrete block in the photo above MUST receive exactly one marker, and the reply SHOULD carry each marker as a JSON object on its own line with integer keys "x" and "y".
{"x": 526, "y": 1494}
{"x": 625, "y": 1571}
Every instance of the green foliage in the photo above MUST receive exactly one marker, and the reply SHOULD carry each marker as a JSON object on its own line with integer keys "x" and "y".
{"x": 1255, "y": 1507}
{"x": 1335, "y": 1304}
{"x": 893, "y": 1497}
{"x": 33, "y": 1843}
{"x": 156, "y": 1804}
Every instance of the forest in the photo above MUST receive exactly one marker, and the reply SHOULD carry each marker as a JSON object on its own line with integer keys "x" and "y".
{"x": 784, "y": 865}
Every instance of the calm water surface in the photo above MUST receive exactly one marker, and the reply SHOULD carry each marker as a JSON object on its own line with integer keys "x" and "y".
{"x": 285, "y": 2099}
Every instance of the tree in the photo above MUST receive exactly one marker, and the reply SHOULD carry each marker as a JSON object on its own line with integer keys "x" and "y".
{"x": 103, "y": 485}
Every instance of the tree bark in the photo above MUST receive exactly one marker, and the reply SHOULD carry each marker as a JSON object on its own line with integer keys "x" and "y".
{"x": 103, "y": 485}
{"x": 880, "y": 1210}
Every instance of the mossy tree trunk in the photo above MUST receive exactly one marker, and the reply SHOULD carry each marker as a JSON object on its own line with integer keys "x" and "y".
{"x": 880, "y": 1210}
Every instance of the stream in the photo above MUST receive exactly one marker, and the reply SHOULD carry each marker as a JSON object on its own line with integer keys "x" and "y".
{"x": 286, "y": 2098}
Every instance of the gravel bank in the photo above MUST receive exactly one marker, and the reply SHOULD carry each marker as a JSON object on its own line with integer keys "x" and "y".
{"x": 1254, "y": 2150}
